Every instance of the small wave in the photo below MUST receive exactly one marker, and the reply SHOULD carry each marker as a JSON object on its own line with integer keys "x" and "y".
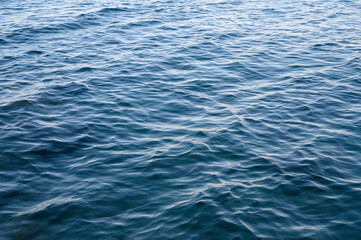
{"x": 17, "y": 104}
{"x": 35, "y": 52}
{"x": 29, "y": 33}
{"x": 49, "y": 203}
{"x": 142, "y": 23}
{"x": 3, "y": 42}
{"x": 114, "y": 10}
{"x": 85, "y": 69}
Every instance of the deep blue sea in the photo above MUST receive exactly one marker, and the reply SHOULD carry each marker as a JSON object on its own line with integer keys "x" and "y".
{"x": 180, "y": 119}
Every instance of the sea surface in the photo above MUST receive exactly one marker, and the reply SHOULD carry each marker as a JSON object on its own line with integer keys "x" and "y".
{"x": 180, "y": 119}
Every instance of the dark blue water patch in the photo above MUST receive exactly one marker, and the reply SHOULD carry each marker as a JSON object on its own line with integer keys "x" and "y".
{"x": 114, "y": 10}
{"x": 3, "y": 42}
{"x": 35, "y": 52}
{"x": 30, "y": 34}
{"x": 85, "y": 69}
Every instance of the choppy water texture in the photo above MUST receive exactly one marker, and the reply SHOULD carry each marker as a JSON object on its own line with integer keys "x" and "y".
{"x": 180, "y": 119}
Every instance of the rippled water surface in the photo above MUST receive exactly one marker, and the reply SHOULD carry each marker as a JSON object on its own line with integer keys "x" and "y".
{"x": 180, "y": 119}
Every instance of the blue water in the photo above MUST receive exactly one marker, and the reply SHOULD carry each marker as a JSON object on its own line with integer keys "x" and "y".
{"x": 180, "y": 119}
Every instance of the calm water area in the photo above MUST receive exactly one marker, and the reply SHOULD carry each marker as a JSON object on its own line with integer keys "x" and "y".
{"x": 180, "y": 119}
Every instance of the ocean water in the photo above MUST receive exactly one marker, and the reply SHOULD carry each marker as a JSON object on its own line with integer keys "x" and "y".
{"x": 180, "y": 119}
